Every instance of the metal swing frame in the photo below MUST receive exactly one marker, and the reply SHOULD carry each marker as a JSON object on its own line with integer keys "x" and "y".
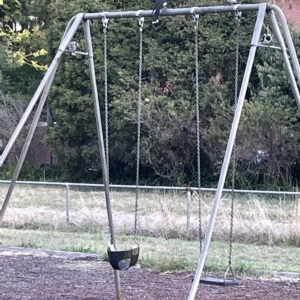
{"x": 284, "y": 41}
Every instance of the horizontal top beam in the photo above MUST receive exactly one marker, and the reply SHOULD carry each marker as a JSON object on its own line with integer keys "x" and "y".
{"x": 176, "y": 11}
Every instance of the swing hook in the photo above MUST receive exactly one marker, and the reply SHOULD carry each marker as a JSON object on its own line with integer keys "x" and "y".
{"x": 196, "y": 18}
{"x": 141, "y": 19}
{"x": 238, "y": 16}
{"x": 104, "y": 22}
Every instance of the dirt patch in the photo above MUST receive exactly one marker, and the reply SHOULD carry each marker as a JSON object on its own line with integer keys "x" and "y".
{"x": 35, "y": 274}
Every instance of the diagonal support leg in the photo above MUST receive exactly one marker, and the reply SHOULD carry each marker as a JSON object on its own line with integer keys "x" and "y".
{"x": 226, "y": 161}
{"x": 70, "y": 31}
{"x": 289, "y": 40}
{"x": 26, "y": 145}
{"x": 276, "y": 30}
{"x": 42, "y": 89}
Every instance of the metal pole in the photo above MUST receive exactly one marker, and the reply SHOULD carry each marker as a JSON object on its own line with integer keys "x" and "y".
{"x": 289, "y": 40}
{"x": 41, "y": 87}
{"x": 27, "y": 143}
{"x": 225, "y": 165}
{"x": 174, "y": 12}
{"x": 89, "y": 46}
{"x": 188, "y": 208}
{"x": 67, "y": 203}
{"x": 285, "y": 57}
{"x": 69, "y": 25}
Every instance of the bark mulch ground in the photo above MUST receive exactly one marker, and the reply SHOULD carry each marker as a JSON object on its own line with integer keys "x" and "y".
{"x": 44, "y": 275}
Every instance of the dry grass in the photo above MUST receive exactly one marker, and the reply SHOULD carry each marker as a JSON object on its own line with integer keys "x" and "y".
{"x": 261, "y": 220}
{"x": 162, "y": 220}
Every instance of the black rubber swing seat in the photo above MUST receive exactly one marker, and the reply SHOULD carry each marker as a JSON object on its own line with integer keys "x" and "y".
{"x": 117, "y": 258}
{"x": 218, "y": 281}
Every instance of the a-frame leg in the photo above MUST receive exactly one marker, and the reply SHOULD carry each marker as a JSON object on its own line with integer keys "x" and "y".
{"x": 68, "y": 35}
{"x": 288, "y": 39}
{"x": 285, "y": 57}
{"x": 26, "y": 147}
{"x": 230, "y": 144}
{"x": 43, "y": 89}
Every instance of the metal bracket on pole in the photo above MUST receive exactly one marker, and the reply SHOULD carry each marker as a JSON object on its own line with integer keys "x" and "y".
{"x": 78, "y": 52}
{"x": 238, "y": 15}
{"x": 104, "y": 22}
{"x": 196, "y": 18}
{"x": 269, "y": 46}
{"x": 236, "y": 7}
{"x": 141, "y": 19}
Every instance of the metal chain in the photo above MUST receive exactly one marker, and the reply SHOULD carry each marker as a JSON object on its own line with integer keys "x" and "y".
{"x": 233, "y": 158}
{"x": 139, "y": 110}
{"x": 196, "y": 28}
{"x": 105, "y": 23}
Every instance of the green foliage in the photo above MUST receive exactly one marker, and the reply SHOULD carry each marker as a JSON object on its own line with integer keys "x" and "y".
{"x": 6, "y": 173}
{"x": 169, "y": 141}
{"x": 169, "y": 113}
{"x": 23, "y": 56}
{"x": 268, "y": 142}
{"x": 28, "y": 172}
{"x": 268, "y": 139}
{"x": 79, "y": 248}
{"x": 243, "y": 268}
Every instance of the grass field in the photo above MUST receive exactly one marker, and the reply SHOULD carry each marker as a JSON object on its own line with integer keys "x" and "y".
{"x": 266, "y": 229}
{"x": 162, "y": 255}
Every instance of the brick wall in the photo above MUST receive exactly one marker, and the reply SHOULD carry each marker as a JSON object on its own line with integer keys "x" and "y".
{"x": 40, "y": 154}
{"x": 291, "y": 10}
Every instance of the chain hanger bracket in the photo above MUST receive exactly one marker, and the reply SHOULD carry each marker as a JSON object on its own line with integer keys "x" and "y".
{"x": 195, "y": 17}
{"x": 141, "y": 19}
{"x": 104, "y": 22}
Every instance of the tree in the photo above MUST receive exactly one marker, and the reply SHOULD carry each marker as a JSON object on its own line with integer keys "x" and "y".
{"x": 23, "y": 61}
{"x": 269, "y": 143}
{"x": 23, "y": 46}
{"x": 11, "y": 111}
{"x": 268, "y": 140}
{"x": 73, "y": 136}
{"x": 168, "y": 84}
{"x": 169, "y": 112}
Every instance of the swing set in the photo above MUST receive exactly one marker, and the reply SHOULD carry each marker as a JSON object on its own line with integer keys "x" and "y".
{"x": 123, "y": 260}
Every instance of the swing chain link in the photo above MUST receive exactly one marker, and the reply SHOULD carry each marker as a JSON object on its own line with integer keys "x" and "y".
{"x": 105, "y": 23}
{"x": 196, "y": 28}
{"x": 238, "y": 16}
{"x": 139, "y": 110}
{"x": 196, "y": 20}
